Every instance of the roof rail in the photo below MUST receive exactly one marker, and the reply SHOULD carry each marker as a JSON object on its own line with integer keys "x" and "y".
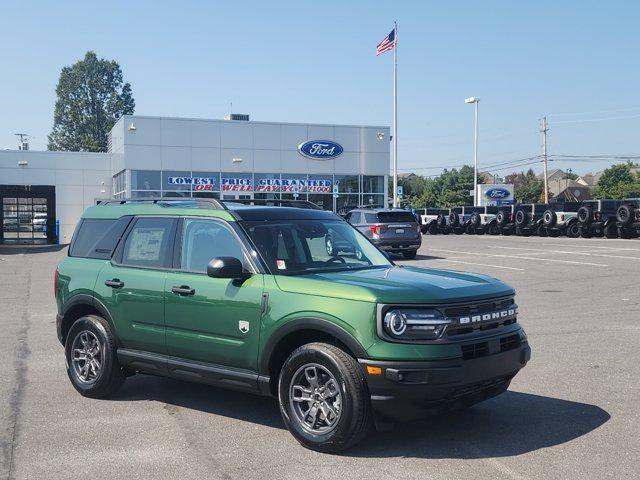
{"x": 212, "y": 203}
{"x": 273, "y": 202}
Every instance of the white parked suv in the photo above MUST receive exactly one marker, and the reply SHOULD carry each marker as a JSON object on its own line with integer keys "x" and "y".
{"x": 561, "y": 218}
{"x": 484, "y": 220}
{"x": 432, "y": 219}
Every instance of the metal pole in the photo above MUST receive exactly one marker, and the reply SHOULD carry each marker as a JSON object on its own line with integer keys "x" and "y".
{"x": 544, "y": 158}
{"x": 395, "y": 116}
{"x": 475, "y": 157}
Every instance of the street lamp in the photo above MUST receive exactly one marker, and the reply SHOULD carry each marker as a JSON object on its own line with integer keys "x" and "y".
{"x": 475, "y": 100}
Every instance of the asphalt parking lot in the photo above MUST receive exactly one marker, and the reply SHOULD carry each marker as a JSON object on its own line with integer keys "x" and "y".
{"x": 573, "y": 412}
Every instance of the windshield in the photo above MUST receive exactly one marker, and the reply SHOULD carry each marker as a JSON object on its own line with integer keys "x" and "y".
{"x": 297, "y": 247}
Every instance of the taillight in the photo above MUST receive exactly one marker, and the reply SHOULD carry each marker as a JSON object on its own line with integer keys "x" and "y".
{"x": 375, "y": 229}
{"x": 598, "y": 216}
{"x": 55, "y": 283}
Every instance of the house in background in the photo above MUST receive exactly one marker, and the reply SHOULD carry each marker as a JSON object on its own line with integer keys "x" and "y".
{"x": 569, "y": 190}
{"x": 553, "y": 175}
{"x": 589, "y": 179}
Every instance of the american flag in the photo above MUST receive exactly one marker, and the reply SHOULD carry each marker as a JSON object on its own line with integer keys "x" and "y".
{"x": 387, "y": 44}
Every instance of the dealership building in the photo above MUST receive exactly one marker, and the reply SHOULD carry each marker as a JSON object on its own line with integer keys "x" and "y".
{"x": 43, "y": 193}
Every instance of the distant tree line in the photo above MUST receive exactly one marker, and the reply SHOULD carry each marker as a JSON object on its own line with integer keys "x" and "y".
{"x": 453, "y": 187}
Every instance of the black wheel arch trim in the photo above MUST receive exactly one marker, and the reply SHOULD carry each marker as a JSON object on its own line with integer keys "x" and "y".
{"x": 308, "y": 323}
{"x": 91, "y": 301}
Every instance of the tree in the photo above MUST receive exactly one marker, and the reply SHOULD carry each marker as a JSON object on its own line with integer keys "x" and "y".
{"x": 91, "y": 97}
{"x": 528, "y": 187}
{"x": 618, "y": 181}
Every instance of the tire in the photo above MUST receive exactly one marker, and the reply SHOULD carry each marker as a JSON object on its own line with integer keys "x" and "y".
{"x": 493, "y": 229}
{"x": 523, "y": 233}
{"x": 522, "y": 218}
{"x": 625, "y": 214}
{"x": 542, "y": 231}
{"x": 585, "y": 232}
{"x": 91, "y": 337}
{"x": 549, "y": 218}
{"x": 410, "y": 254}
{"x": 454, "y": 219}
{"x": 611, "y": 230}
{"x": 573, "y": 230}
{"x": 501, "y": 218}
{"x": 324, "y": 363}
{"x": 585, "y": 215}
{"x": 433, "y": 228}
{"x": 624, "y": 233}
{"x": 475, "y": 220}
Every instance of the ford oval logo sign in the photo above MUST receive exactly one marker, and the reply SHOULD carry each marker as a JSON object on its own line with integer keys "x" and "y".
{"x": 320, "y": 149}
{"x": 497, "y": 193}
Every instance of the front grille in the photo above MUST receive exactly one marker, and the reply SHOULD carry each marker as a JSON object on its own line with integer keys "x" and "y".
{"x": 490, "y": 347}
{"x": 475, "y": 350}
{"x": 509, "y": 343}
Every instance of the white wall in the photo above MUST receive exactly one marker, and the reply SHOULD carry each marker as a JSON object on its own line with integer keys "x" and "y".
{"x": 211, "y": 145}
{"x": 79, "y": 178}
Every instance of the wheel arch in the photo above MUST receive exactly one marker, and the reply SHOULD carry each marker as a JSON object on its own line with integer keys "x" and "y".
{"x": 79, "y": 306}
{"x": 296, "y": 333}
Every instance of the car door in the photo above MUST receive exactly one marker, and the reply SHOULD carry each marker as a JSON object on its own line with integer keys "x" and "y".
{"x": 132, "y": 285}
{"x": 212, "y": 320}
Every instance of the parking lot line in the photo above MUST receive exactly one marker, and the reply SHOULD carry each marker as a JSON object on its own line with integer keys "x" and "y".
{"x": 482, "y": 264}
{"x": 593, "y": 246}
{"x": 537, "y": 259}
{"x": 566, "y": 252}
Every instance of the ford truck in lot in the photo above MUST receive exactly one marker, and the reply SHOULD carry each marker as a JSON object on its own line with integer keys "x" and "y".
{"x": 249, "y": 297}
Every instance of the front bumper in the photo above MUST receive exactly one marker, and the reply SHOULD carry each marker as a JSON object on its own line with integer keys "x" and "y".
{"x": 408, "y": 390}
{"x": 59, "y": 327}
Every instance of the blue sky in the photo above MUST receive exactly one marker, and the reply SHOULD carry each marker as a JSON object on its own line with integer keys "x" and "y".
{"x": 574, "y": 61}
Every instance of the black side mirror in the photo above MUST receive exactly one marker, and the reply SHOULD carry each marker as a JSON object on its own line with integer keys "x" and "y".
{"x": 225, "y": 267}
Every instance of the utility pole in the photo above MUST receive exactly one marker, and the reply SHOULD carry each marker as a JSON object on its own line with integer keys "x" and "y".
{"x": 544, "y": 131}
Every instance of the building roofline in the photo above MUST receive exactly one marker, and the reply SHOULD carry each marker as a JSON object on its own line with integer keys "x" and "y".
{"x": 190, "y": 119}
{"x": 66, "y": 152}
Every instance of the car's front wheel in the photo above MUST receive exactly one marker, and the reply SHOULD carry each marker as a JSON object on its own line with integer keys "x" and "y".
{"x": 92, "y": 364}
{"x": 323, "y": 396}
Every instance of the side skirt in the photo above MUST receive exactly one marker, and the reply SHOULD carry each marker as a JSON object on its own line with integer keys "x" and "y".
{"x": 194, "y": 371}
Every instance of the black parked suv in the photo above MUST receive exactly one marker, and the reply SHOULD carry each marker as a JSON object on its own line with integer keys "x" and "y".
{"x": 431, "y": 220}
{"x": 628, "y": 218}
{"x": 483, "y": 220}
{"x": 505, "y": 219}
{"x": 528, "y": 218}
{"x": 598, "y": 217}
{"x": 459, "y": 219}
{"x": 561, "y": 218}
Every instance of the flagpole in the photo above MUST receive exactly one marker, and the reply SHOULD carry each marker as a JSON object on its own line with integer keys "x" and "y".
{"x": 395, "y": 116}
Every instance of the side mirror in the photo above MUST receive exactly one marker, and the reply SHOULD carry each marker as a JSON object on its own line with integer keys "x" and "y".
{"x": 225, "y": 267}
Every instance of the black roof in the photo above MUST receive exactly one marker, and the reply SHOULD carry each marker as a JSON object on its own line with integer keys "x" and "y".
{"x": 265, "y": 214}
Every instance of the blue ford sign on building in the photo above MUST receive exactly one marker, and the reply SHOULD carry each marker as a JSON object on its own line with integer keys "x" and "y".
{"x": 320, "y": 149}
{"x": 501, "y": 194}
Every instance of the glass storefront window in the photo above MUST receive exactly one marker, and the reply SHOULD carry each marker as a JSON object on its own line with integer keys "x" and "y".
{"x": 323, "y": 201}
{"x": 344, "y": 203}
{"x": 294, "y": 183}
{"x": 347, "y": 183}
{"x": 206, "y": 182}
{"x": 206, "y": 194}
{"x": 145, "y": 193}
{"x": 372, "y": 184}
{"x": 267, "y": 183}
{"x": 236, "y": 182}
{"x": 182, "y": 193}
{"x": 373, "y": 200}
{"x": 145, "y": 180}
{"x": 176, "y": 180}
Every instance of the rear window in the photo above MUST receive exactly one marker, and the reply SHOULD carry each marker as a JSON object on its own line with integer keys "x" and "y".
{"x": 390, "y": 217}
{"x": 97, "y": 237}
{"x": 370, "y": 218}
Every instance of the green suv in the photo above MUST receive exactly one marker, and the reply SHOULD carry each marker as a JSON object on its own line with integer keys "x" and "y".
{"x": 247, "y": 297}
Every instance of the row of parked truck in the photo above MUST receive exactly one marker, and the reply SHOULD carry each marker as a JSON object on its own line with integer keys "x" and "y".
{"x": 591, "y": 218}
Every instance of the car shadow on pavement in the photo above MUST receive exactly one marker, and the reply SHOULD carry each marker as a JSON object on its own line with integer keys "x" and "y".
{"x": 512, "y": 424}
{"x": 6, "y": 250}
{"x": 205, "y": 398}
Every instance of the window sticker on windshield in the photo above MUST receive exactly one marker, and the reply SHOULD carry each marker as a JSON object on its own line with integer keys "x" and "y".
{"x": 281, "y": 264}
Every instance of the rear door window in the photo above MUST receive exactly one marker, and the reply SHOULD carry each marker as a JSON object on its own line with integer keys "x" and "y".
{"x": 393, "y": 217}
{"x": 97, "y": 237}
{"x": 149, "y": 243}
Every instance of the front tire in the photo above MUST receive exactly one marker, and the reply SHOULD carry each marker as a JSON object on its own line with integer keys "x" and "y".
{"x": 92, "y": 363}
{"x": 324, "y": 399}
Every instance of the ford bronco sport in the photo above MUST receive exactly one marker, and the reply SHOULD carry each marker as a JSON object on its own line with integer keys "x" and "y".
{"x": 247, "y": 297}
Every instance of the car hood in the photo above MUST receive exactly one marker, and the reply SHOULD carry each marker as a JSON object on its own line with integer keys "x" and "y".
{"x": 397, "y": 285}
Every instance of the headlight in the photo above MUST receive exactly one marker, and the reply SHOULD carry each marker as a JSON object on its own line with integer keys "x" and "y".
{"x": 407, "y": 324}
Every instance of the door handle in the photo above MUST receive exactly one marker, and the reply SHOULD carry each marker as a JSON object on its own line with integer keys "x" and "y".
{"x": 183, "y": 290}
{"x": 115, "y": 283}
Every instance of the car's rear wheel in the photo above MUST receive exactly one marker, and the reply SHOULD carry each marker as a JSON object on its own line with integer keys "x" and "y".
{"x": 585, "y": 232}
{"x": 611, "y": 230}
{"x": 92, "y": 363}
{"x": 324, "y": 400}
{"x": 573, "y": 230}
{"x": 433, "y": 228}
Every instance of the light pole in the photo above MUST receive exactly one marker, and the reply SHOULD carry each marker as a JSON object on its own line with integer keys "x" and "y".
{"x": 475, "y": 100}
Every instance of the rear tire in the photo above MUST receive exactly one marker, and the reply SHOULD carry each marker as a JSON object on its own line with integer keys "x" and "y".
{"x": 573, "y": 230}
{"x": 337, "y": 393}
{"x": 611, "y": 230}
{"x": 433, "y": 228}
{"x": 92, "y": 362}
